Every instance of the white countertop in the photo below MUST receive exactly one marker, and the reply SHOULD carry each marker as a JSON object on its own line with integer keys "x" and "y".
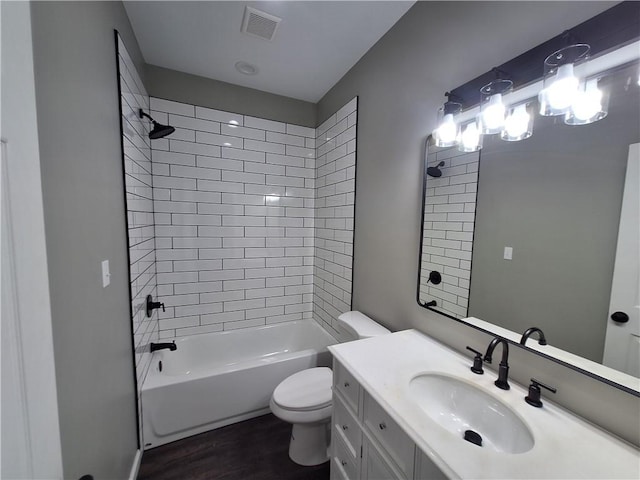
{"x": 565, "y": 445}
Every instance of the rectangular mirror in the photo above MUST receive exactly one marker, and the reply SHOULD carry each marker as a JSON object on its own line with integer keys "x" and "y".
{"x": 536, "y": 247}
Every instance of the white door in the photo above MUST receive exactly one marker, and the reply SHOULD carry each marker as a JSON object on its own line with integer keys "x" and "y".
{"x": 622, "y": 344}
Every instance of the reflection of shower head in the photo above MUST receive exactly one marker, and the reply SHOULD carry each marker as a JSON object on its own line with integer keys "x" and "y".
{"x": 159, "y": 130}
{"x": 435, "y": 171}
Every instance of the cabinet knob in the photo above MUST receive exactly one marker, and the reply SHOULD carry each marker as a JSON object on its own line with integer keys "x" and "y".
{"x": 345, "y": 427}
{"x": 346, "y": 384}
{"x": 382, "y": 426}
{"x": 343, "y": 462}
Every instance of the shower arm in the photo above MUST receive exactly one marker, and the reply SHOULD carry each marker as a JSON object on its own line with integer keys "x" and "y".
{"x": 142, "y": 115}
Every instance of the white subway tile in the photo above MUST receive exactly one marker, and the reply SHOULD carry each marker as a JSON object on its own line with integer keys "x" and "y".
{"x": 301, "y": 131}
{"x": 222, "y": 317}
{"x": 264, "y": 146}
{"x": 195, "y": 196}
{"x": 186, "y": 219}
{"x": 194, "y": 124}
{"x": 220, "y": 140}
{"x": 218, "y": 115}
{"x": 237, "y": 154}
{"x": 220, "y": 186}
{"x": 194, "y": 148}
{"x": 244, "y": 132}
{"x": 220, "y": 163}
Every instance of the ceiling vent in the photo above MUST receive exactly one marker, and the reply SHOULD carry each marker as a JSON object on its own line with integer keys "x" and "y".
{"x": 259, "y": 24}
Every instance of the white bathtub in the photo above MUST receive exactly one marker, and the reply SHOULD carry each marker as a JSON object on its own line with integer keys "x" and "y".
{"x": 216, "y": 379}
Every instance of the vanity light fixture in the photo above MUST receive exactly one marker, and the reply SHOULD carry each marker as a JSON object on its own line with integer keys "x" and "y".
{"x": 447, "y": 131}
{"x": 560, "y": 85}
{"x": 492, "y": 108}
{"x": 470, "y": 138}
{"x": 518, "y": 125}
{"x": 590, "y": 104}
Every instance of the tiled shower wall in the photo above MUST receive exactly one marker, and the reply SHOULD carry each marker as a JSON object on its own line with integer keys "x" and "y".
{"x": 234, "y": 215}
{"x": 449, "y": 216}
{"x": 139, "y": 194}
{"x": 335, "y": 200}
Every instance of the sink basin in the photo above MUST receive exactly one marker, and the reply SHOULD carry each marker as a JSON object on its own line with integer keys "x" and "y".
{"x": 458, "y": 406}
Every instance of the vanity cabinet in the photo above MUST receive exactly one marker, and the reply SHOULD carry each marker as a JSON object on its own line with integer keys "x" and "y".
{"x": 366, "y": 443}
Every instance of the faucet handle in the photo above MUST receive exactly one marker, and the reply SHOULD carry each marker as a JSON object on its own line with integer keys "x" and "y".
{"x": 534, "y": 393}
{"x": 477, "y": 361}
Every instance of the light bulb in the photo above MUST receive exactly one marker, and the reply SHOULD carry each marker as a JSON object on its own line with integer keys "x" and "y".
{"x": 493, "y": 115}
{"x": 446, "y": 132}
{"x": 560, "y": 94}
{"x": 517, "y": 125}
{"x": 588, "y": 105}
{"x": 470, "y": 139}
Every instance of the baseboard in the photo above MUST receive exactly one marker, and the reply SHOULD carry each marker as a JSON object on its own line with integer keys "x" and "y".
{"x": 136, "y": 465}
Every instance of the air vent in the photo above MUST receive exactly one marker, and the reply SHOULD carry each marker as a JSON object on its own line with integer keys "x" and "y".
{"x": 259, "y": 24}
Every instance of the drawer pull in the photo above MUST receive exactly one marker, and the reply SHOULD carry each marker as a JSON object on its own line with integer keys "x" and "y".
{"x": 343, "y": 463}
{"x": 346, "y": 384}
{"x": 382, "y": 426}
{"x": 345, "y": 427}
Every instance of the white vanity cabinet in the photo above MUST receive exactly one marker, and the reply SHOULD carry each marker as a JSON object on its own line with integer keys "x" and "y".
{"x": 366, "y": 443}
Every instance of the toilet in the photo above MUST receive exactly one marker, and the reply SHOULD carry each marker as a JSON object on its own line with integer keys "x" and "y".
{"x": 304, "y": 398}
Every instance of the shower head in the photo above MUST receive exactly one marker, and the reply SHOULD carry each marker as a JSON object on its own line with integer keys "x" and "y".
{"x": 158, "y": 130}
{"x": 435, "y": 171}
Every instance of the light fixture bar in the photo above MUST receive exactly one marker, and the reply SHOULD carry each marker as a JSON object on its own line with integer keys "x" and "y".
{"x": 594, "y": 66}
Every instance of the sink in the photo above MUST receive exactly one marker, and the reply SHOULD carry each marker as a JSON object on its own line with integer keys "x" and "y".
{"x": 458, "y": 406}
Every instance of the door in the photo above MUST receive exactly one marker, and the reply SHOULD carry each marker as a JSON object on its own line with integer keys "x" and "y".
{"x": 622, "y": 344}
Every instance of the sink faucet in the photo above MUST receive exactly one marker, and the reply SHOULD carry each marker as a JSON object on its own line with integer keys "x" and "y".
{"x": 529, "y": 331}
{"x": 160, "y": 346}
{"x": 503, "y": 369}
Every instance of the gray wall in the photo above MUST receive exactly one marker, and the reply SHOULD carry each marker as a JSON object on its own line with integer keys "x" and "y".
{"x": 206, "y": 92}
{"x": 82, "y": 181}
{"x": 555, "y": 198}
{"x": 401, "y": 82}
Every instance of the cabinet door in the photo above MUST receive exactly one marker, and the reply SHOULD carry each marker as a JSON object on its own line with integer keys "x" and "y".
{"x": 393, "y": 440}
{"x": 426, "y": 469}
{"x": 375, "y": 466}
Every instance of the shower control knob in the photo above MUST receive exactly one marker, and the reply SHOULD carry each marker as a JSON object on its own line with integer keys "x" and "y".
{"x": 620, "y": 317}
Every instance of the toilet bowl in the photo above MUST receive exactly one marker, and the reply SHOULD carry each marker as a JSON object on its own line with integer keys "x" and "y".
{"x": 304, "y": 399}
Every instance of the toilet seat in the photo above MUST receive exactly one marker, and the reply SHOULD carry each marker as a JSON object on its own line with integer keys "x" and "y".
{"x": 305, "y": 391}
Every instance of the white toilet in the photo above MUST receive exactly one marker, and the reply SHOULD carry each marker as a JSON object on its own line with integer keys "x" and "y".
{"x": 304, "y": 398}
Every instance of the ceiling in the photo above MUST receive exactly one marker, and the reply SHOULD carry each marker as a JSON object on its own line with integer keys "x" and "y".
{"x": 315, "y": 44}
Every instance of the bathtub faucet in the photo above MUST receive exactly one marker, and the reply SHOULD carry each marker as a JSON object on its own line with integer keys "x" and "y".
{"x": 160, "y": 346}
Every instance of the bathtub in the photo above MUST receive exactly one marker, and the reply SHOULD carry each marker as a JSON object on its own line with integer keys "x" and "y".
{"x": 217, "y": 379}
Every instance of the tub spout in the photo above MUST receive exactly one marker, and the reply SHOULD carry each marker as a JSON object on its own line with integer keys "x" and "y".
{"x": 160, "y": 346}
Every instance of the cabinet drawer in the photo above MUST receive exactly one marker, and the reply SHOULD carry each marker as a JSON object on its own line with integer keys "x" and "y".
{"x": 345, "y": 424}
{"x": 347, "y": 385}
{"x": 346, "y": 464}
{"x": 391, "y": 437}
{"x": 375, "y": 467}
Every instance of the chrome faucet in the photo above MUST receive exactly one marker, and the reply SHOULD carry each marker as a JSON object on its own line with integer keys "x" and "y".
{"x": 503, "y": 368}
{"x": 529, "y": 331}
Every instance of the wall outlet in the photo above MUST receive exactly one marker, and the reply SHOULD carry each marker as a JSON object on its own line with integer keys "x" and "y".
{"x": 106, "y": 276}
{"x": 508, "y": 253}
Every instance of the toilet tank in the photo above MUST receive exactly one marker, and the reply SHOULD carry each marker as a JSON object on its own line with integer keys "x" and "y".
{"x": 356, "y": 325}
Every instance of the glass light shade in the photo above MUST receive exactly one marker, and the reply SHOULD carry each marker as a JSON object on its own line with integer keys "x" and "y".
{"x": 589, "y": 105}
{"x": 471, "y": 138}
{"x": 447, "y": 131}
{"x": 518, "y": 125}
{"x": 559, "y": 91}
{"x": 492, "y": 108}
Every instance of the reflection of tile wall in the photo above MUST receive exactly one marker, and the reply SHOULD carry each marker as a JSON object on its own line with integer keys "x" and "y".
{"x": 335, "y": 199}
{"x": 234, "y": 208}
{"x": 449, "y": 216}
{"x": 138, "y": 185}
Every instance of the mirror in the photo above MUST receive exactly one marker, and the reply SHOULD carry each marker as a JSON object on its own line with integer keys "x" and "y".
{"x": 536, "y": 246}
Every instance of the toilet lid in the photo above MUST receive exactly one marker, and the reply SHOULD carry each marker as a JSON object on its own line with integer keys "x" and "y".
{"x": 306, "y": 390}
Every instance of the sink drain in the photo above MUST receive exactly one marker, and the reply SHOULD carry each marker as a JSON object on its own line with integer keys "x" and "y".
{"x": 473, "y": 437}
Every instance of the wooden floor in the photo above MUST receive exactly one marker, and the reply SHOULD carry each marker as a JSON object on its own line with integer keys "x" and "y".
{"x": 254, "y": 449}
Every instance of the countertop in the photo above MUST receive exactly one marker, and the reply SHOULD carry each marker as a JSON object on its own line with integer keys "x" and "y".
{"x": 566, "y": 446}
